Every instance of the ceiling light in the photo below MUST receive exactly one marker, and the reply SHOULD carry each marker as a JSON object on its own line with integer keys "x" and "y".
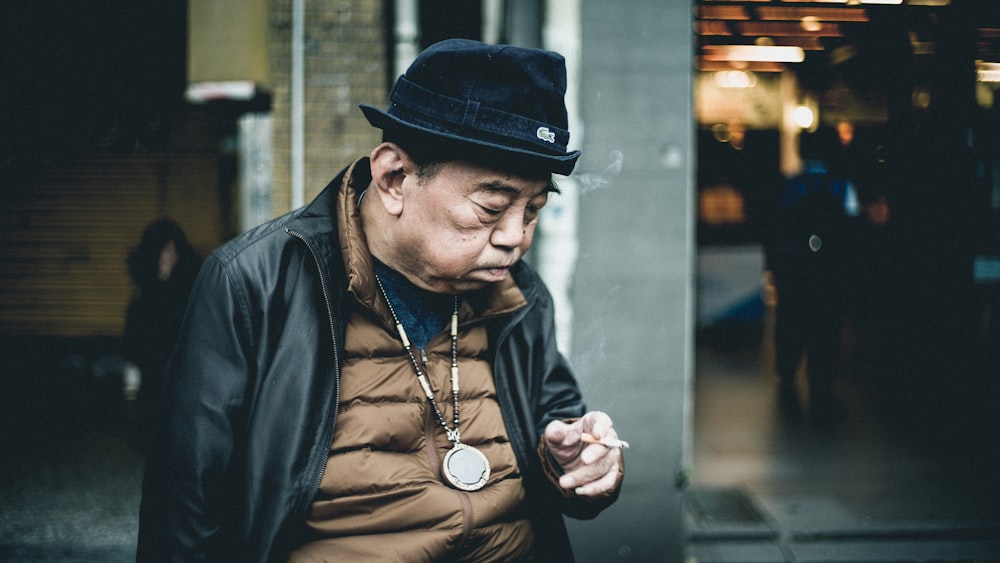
{"x": 763, "y": 53}
{"x": 811, "y": 23}
{"x": 803, "y": 117}
{"x": 987, "y": 72}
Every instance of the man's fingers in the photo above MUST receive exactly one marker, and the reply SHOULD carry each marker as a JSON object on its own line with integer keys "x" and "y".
{"x": 601, "y": 485}
{"x": 595, "y": 463}
{"x": 597, "y": 488}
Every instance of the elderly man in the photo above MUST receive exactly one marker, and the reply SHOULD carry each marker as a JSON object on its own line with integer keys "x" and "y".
{"x": 375, "y": 376}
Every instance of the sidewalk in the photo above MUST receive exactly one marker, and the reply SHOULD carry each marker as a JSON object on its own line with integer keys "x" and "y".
{"x": 875, "y": 487}
{"x": 69, "y": 476}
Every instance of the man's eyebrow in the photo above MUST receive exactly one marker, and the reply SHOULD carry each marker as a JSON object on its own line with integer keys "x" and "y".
{"x": 498, "y": 186}
{"x": 501, "y": 187}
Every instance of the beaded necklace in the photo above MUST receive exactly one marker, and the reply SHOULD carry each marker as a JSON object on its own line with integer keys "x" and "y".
{"x": 464, "y": 467}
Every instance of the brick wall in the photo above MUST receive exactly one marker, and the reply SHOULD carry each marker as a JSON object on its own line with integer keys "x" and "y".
{"x": 345, "y": 64}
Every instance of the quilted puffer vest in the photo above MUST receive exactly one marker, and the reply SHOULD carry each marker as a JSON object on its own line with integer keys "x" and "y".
{"x": 382, "y": 495}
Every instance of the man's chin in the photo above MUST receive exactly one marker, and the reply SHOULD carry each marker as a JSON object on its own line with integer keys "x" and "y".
{"x": 471, "y": 281}
{"x": 474, "y": 281}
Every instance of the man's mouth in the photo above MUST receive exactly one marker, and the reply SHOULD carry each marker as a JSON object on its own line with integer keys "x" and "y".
{"x": 498, "y": 272}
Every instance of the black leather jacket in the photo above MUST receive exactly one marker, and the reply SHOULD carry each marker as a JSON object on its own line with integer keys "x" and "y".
{"x": 253, "y": 393}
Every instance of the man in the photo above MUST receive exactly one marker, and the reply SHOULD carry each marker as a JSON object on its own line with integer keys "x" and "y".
{"x": 808, "y": 253}
{"x": 375, "y": 376}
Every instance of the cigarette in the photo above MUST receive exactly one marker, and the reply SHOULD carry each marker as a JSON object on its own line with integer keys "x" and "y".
{"x": 606, "y": 442}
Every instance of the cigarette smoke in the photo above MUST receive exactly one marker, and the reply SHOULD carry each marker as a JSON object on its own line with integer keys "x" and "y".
{"x": 590, "y": 181}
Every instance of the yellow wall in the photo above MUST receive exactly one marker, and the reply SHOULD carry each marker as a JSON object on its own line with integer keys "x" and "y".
{"x": 228, "y": 40}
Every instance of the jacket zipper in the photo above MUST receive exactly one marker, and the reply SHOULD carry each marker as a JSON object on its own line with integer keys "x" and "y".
{"x": 332, "y": 418}
{"x": 521, "y": 452}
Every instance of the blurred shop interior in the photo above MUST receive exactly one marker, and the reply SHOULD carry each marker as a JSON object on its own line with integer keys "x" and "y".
{"x": 912, "y": 86}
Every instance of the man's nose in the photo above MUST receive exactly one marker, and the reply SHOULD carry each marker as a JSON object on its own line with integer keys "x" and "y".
{"x": 509, "y": 231}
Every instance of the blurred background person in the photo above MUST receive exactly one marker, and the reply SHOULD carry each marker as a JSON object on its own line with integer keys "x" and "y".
{"x": 163, "y": 268}
{"x": 808, "y": 256}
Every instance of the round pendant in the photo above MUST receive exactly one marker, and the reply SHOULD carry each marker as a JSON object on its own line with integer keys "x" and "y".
{"x": 465, "y": 468}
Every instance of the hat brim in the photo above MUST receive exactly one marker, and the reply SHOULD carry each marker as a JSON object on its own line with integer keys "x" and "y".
{"x": 562, "y": 164}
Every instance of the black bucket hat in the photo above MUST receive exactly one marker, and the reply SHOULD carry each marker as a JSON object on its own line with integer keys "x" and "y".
{"x": 494, "y": 99}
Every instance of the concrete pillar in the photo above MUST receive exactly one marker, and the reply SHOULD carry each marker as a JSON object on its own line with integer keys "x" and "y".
{"x": 633, "y": 288}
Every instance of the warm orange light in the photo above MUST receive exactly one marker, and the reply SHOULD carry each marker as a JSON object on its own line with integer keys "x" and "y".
{"x": 762, "y": 53}
{"x": 721, "y": 204}
{"x": 845, "y": 132}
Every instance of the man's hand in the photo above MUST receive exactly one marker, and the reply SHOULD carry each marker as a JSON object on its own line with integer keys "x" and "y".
{"x": 590, "y": 469}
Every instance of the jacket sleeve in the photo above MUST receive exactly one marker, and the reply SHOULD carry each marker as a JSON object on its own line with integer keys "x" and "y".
{"x": 193, "y": 479}
{"x": 560, "y": 402}
{"x": 555, "y": 396}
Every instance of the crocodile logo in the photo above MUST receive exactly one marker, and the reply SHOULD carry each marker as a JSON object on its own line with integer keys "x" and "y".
{"x": 544, "y": 134}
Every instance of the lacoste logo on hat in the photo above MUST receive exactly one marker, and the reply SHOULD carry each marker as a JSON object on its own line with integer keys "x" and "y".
{"x": 544, "y": 134}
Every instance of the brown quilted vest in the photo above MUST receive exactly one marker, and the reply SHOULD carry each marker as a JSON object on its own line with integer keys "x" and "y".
{"x": 382, "y": 496}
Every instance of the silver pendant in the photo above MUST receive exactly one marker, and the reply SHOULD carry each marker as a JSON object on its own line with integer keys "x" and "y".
{"x": 465, "y": 468}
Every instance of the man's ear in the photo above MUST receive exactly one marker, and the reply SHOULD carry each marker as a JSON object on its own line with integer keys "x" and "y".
{"x": 389, "y": 163}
